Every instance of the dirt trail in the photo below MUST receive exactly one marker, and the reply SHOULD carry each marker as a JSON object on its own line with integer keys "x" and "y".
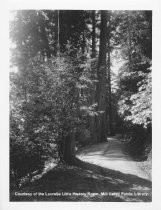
{"x": 102, "y": 172}
{"x": 112, "y": 155}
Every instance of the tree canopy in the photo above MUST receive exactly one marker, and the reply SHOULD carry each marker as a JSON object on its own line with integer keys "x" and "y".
{"x": 82, "y": 75}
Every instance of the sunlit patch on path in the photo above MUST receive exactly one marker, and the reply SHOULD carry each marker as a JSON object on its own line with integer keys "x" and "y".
{"x": 111, "y": 155}
{"x": 102, "y": 172}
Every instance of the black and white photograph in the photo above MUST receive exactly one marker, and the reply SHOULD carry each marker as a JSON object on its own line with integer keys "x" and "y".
{"x": 80, "y": 105}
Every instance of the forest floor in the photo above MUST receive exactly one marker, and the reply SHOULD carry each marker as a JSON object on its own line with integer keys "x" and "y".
{"x": 102, "y": 172}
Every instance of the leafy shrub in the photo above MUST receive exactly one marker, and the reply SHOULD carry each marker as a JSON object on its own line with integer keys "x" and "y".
{"x": 139, "y": 141}
{"x": 137, "y": 107}
{"x": 25, "y": 158}
{"x": 43, "y": 108}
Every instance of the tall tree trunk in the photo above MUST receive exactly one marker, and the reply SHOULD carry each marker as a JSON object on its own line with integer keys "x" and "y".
{"x": 56, "y": 32}
{"x": 129, "y": 41}
{"x": 101, "y": 85}
{"x": 93, "y": 34}
{"x": 67, "y": 148}
{"x": 93, "y": 134}
{"x": 83, "y": 42}
{"x": 109, "y": 106}
{"x": 46, "y": 42}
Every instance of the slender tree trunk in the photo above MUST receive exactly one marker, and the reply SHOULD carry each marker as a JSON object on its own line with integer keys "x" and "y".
{"x": 129, "y": 41}
{"x": 56, "y": 32}
{"x": 46, "y": 42}
{"x": 93, "y": 134}
{"x": 83, "y": 43}
{"x": 109, "y": 106}
{"x": 93, "y": 34}
{"x": 101, "y": 85}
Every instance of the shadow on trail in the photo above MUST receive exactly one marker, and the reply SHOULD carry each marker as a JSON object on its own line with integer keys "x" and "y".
{"x": 114, "y": 175}
{"x": 107, "y": 180}
{"x": 109, "y": 151}
{"x": 113, "y": 155}
{"x": 83, "y": 177}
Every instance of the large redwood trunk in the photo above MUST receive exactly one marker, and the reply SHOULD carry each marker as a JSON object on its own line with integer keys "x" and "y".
{"x": 93, "y": 134}
{"x": 68, "y": 148}
{"x": 101, "y": 93}
{"x": 109, "y": 106}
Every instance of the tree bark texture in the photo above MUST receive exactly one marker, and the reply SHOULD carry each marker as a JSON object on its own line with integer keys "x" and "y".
{"x": 93, "y": 134}
{"x": 67, "y": 148}
{"x": 109, "y": 106}
{"x": 101, "y": 93}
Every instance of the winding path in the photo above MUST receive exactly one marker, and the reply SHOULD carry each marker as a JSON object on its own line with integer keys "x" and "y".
{"x": 102, "y": 172}
{"x": 111, "y": 160}
{"x": 112, "y": 155}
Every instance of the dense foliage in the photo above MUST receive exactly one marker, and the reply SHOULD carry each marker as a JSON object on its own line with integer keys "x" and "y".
{"x": 64, "y": 82}
{"x": 135, "y": 79}
{"x": 43, "y": 108}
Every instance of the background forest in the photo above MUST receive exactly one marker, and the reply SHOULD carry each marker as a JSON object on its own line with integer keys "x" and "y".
{"x": 77, "y": 76}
